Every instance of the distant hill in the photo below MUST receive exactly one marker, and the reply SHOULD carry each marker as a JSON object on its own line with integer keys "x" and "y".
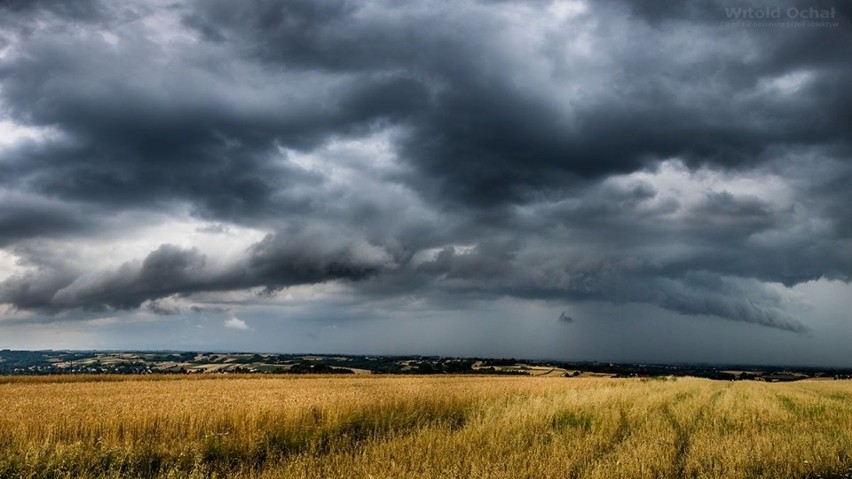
{"x": 183, "y": 362}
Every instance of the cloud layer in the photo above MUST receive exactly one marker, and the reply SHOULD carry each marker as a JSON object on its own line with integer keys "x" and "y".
{"x": 562, "y": 150}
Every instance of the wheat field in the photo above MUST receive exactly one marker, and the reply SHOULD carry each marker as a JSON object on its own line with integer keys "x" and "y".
{"x": 422, "y": 427}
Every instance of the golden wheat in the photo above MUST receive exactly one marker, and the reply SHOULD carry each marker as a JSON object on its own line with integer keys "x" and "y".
{"x": 422, "y": 427}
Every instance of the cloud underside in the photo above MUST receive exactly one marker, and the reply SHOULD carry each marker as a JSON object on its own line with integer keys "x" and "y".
{"x": 545, "y": 150}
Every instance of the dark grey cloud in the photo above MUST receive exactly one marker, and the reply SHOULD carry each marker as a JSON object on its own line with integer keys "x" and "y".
{"x": 142, "y": 126}
{"x": 277, "y": 261}
{"x": 207, "y": 309}
{"x": 629, "y": 276}
{"x": 159, "y": 309}
{"x": 23, "y": 218}
{"x": 745, "y": 300}
{"x": 627, "y": 152}
{"x": 76, "y": 10}
{"x": 489, "y": 137}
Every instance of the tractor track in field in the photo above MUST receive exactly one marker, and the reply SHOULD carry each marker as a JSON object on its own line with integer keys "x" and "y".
{"x": 622, "y": 432}
{"x": 683, "y": 432}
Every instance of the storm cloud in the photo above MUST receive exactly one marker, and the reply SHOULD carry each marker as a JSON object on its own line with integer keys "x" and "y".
{"x": 160, "y": 155}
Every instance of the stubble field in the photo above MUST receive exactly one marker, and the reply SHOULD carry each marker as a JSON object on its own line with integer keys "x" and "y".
{"x": 423, "y": 427}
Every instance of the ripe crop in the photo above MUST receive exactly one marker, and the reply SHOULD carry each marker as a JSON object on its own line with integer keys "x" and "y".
{"x": 422, "y": 427}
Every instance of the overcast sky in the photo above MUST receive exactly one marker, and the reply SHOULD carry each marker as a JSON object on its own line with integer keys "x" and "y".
{"x": 608, "y": 180}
